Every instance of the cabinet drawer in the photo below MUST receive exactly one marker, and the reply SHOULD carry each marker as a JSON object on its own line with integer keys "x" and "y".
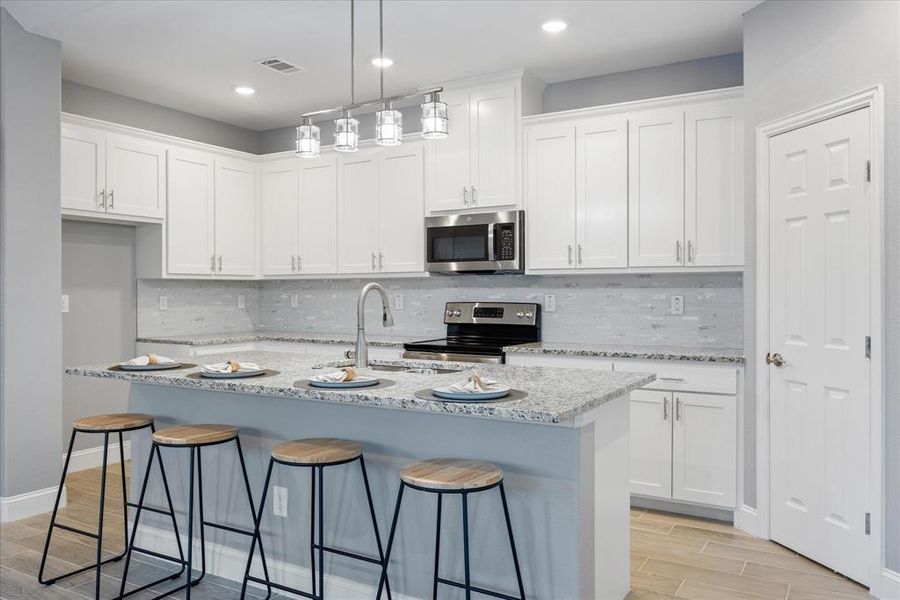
{"x": 680, "y": 377}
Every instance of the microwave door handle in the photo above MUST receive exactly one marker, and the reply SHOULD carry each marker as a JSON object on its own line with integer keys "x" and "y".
{"x": 490, "y": 242}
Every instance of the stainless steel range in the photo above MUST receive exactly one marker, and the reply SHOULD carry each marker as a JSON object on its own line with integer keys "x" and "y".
{"x": 478, "y": 332}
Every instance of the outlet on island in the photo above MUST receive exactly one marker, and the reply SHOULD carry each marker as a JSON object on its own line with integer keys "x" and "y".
{"x": 279, "y": 501}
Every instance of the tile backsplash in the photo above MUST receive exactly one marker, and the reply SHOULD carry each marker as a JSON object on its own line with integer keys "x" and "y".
{"x": 606, "y": 309}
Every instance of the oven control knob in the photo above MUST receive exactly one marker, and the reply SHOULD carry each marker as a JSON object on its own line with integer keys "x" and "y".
{"x": 449, "y": 313}
{"x": 529, "y": 315}
{"x": 457, "y": 312}
{"x": 520, "y": 314}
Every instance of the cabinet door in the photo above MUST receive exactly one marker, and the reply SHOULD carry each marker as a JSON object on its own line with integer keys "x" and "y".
{"x": 601, "y": 150}
{"x": 135, "y": 176}
{"x": 447, "y": 160}
{"x": 235, "y": 217}
{"x": 656, "y": 189}
{"x": 358, "y": 213}
{"x": 703, "y": 449}
{"x": 401, "y": 209}
{"x": 318, "y": 215}
{"x": 189, "y": 222}
{"x": 714, "y": 184}
{"x": 83, "y": 162}
{"x": 550, "y": 196}
{"x": 279, "y": 206}
{"x": 493, "y": 120}
{"x": 650, "y": 470}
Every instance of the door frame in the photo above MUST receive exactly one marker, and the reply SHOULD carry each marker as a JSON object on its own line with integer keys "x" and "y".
{"x": 873, "y": 99}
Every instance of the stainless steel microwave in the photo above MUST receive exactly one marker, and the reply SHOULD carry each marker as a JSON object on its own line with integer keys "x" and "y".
{"x": 476, "y": 243}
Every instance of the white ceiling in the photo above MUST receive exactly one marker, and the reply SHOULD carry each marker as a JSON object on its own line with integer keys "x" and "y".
{"x": 189, "y": 54}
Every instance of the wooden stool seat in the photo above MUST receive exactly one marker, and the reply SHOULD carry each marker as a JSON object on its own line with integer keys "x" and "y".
{"x": 317, "y": 451}
{"x": 112, "y": 422}
{"x": 451, "y": 474}
{"x": 195, "y": 435}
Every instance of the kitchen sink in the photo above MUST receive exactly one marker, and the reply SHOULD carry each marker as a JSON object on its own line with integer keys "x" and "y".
{"x": 416, "y": 370}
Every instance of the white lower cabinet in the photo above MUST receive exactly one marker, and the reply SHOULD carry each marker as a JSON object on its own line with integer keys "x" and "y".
{"x": 650, "y": 468}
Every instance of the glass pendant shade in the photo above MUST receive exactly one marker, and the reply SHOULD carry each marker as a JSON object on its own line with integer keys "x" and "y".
{"x": 308, "y": 142}
{"x": 388, "y": 127}
{"x": 346, "y": 134}
{"x": 435, "y": 122}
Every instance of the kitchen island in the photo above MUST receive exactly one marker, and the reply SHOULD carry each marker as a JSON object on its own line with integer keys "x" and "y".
{"x": 563, "y": 449}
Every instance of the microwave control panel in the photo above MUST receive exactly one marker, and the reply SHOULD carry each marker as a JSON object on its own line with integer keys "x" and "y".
{"x": 506, "y": 241}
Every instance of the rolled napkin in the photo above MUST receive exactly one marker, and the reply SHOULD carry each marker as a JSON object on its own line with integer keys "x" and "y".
{"x": 231, "y": 366}
{"x": 148, "y": 359}
{"x": 475, "y": 384}
{"x": 345, "y": 374}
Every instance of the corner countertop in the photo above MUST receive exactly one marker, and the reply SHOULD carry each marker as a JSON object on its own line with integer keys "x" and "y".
{"x": 715, "y": 355}
{"x": 241, "y": 337}
{"x": 554, "y": 395}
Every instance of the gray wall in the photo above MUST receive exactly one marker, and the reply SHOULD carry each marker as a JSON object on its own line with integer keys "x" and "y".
{"x": 107, "y": 106}
{"x": 665, "y": 80}
{"x": 30, "y": 322}
{"x": 798, "y": 55}
{"x": 99, "y": 277}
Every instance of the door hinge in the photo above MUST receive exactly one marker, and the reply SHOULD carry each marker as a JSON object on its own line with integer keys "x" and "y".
{"x": 868, "y": 523}
{"x": 869, "y": 170}
{"x": 868, "y": 346}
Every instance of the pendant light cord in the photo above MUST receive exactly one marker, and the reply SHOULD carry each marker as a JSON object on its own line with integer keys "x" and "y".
{"x": 352, "y": 51}
{"x": 381, "y": 44}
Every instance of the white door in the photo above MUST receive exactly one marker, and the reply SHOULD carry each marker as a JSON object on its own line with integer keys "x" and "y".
{"x": 447, "y": 160}
{"x": 83, "y": 162}
{"x": 714, "y": 184}
{"x": 279, "y": 212}
{"x": 550, "y": 189}
{"x": 235, "y": 217}
{"x": 818, "y": 319}
{"x": 358, "y": 213}
{"x": 189, "y": 221}
{"x": 493, "y": 121}
{"x": 318, "y": 215}
{"x": 704, "y": 461}
{"x": 135, "y": 176}
{"x": 601, "y": 150}
{"x": 650, "y": 468}
{"x": 656, "y": 189}
{"x": 401, "y": 209}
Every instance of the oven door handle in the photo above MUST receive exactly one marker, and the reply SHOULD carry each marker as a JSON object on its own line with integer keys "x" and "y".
{"x": 452, "y": 357}
{"x": 492, "y": 255}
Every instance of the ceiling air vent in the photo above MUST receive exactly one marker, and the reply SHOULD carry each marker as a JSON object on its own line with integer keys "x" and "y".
{"x": 280, "y": 65}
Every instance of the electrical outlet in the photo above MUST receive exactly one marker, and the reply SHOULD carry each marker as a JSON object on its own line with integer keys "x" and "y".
{"x": 65, "y": 303}
{"x": 163, "y": 303}
{"x": 242, "y": 301}
{"x": 549, "y": 302}
{"x": 676, "y": 305}
{"x": 398, "y": 301}
{"x": 279, "y": 501}
{"x": 295, "y": 300}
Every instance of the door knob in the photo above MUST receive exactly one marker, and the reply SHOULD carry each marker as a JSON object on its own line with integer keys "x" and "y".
{"x": 774, "y": 359}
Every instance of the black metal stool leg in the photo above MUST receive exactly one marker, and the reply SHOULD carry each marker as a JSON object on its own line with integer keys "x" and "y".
{"x": 437, "y": 546}
{"x": 465, "y": 517}
{"x": 162, "y": 472}
{"x": 124, "y": 492}
{"x": 387, "y": 552}
{"x": 137, "y": 518}
{"x": 190, "y": 535}
{"x": 312, "y": 529}
{"x": 255, "y": 537}
{"x": 256, "y": 534}
{"x": 512, "y": 543}
{"x": 62, "y": 481}
{"x": 362, "y": 466}
{"x": 202, "y": 519}
{"x": 321, "y": 533}
{"x": 100, "y": 518}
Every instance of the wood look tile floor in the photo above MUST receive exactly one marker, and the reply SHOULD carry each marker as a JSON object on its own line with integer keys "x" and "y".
{"x": 672, "y": 556}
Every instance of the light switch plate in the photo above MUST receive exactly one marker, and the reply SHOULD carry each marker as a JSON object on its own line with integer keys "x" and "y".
{"x": 242, "y": 301}
{"x": 163, "y": 303}
{"x": 65, "y": 303}
{"x": 279, "y": 501}
{"x": 398, "y": 301}
{"x": 295, "y": 300}
{"x": 549, "y": 302}
{"x": 676, "y": 305}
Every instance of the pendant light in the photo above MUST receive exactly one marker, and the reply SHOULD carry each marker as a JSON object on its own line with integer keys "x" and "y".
{"x": 435, "y": 121}
{"x": 308, "y": 141}
{"x": 346, "y": 128}
{"x": 388, "y": 122}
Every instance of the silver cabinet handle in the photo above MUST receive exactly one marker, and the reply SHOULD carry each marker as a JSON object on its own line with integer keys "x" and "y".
{"x": 690, "y": 251}
{"x": 671, "y": 378}
{"x": 380, "y": 261}
{"x": 678, "y": 252}
{"x": 112, "y": 199}
{"x": 465, "y": 195}
{"x": 220, "y": 263}
{"x": 101, "y": 199}
{"x": 373, "y": 261}
{"x": 299, "y": 263}
{"x": 580, "y": 258}
{"x": 474, "y": 196}
{"x": 677, "y": 409}
{"x": 293, "y": 264}
{"x": 212, "y": 263}
{"x": 665, "y": 409}
{"x": 570, "y": 254}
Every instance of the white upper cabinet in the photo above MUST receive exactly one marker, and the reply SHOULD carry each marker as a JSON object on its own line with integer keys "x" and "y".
{"x": 318, "y": 216}
{"x": 106, "y": 173}
{"x": 401, "y": 210}
{"x": 358, "y": 213}
{"x": 279, "y": 212}
{"x": 191, "y": 220}
{"x": 551, "y": 213}
{"x": 714, "y": 196}
{"x": 447, "y": 171}
{"x": 235, "y": 217}
{"x": 656, "y": 189}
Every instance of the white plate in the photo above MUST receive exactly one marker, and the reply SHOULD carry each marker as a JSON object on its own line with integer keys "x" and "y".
{"x": 361, "y": 381}
{"x": 445, "y": 393}
{"x": 157, "y": 367}
{"x": 235, "y": 375}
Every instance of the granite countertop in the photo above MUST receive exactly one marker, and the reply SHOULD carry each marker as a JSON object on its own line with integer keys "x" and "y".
{"x": 554, "y": 395}
{"x": 717, "y": 355}
{"x": 216, "y": 339}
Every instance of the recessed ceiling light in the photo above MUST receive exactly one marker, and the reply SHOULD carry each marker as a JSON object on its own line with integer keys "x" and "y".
{"x": 244, "y": 90}
{"x": 554, "y": 26}
{"x": 382, "y": 62}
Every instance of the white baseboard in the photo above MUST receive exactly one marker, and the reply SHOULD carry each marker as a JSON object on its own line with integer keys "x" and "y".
{"x": 890, "y": 585}
{"x": 746, "y": 518}
{"x": 22, "y": 506}
{"x": 91, "y": 458}
{"x": 229, "y": 563}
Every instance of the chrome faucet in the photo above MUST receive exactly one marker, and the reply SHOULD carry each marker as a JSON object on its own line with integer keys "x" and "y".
{"x": 387, "y": 320}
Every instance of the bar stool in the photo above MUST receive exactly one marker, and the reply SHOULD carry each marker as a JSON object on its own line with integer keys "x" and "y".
{"x": 118, "y": 423}
{"x": 194, "y": 437}
{"x": 454, "y": 476}
{"x": 316, "y": 454}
